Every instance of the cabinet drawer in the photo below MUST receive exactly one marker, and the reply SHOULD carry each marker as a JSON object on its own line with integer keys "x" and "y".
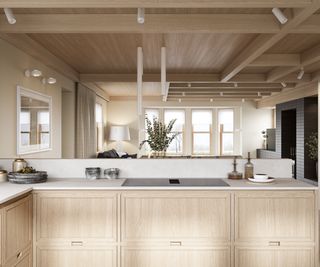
{"x": 274, "y": 257}
{"x": 280, "y": 216}
{"x": 73, "y": 216}
{"x": 170, "y": 216}
{"x": 168, "y": 257}
{"x": 16, "y": 228}
{"x": 66, "y": 257}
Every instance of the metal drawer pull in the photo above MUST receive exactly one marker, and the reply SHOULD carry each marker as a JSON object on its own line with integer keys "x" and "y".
{"x": 175, "y": 243}
{"x": 274, "y": 243}
{"x": 76, "y": 243}
{"x": 19, "y": 255}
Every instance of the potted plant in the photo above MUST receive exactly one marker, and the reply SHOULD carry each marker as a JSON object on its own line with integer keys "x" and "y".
{"x": 312, "y": 148}
{"x": 159, "y": 135}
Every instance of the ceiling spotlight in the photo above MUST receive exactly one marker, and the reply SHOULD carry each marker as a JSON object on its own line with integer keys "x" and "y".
{"x": 183, "y": 93}
{"x": 235, "y": 84}
{"x": 9, "y": 15}
{"x": 179, "y": 100}
{"x": 259, "y": 94}
{"x": 221, "y": 93}
{"x": 279, "y": 15}
{"x": 140, "y": 16}
{"x": 51, "y": 80}
{"x": 36, "y": 73}
{"x": 284, "y": 84}
{"x": 189, "y": 85}
{"x": 211, "y": 99}
{"x": 300, "y": 74}
{"x": 242, "y": 100}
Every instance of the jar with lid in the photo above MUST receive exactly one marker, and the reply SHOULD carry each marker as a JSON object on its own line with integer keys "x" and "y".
{"x": 248, "y": 168}
{"x": 3, "y": 176}
{"x": 18, "y": 165}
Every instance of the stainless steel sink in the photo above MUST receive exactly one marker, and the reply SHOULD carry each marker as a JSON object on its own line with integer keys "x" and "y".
{"x": 174, "y": 182}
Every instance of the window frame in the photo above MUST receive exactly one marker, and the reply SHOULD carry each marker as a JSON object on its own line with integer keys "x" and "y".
{"x": 220, "y": 133}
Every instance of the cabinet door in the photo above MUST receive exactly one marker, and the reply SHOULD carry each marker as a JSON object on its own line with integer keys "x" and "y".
{"x": 274, "y": 257}
{"x": 168, "y": 257}
{"x": 176, "y": 216}
{"x": 66, "y": 257}
{"x": 275, "y": 216}
{"x": 16, "y": 228}
{"x": 24, "y": 261}
{"x": 66, "y": 217}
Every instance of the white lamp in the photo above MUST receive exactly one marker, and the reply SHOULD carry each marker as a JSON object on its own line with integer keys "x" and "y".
{"x": 119, "y": 133}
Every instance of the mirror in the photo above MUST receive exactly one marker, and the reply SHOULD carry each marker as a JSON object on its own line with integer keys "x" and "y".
{"x": 33, "y": 121}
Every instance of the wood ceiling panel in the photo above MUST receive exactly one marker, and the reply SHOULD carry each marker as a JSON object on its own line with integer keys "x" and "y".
{"x": 312, "y": 68}
{"x": 256, "y": 70}
{"x": 295, "y": 43}
{"x": 116, "y": 53}
{"x": 130, "y": 89}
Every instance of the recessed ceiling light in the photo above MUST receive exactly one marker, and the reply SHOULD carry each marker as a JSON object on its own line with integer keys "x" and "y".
{"x": 36, "y": 73}
{"x": 300, "y": 74}
{"x": 140, "y": 15}
{"x": 51, "y": 80}
{"x": 279, "y": 15}
{"x": 9, "y": 15}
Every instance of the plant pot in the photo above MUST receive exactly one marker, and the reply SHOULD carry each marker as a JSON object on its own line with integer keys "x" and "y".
{"x": 159, "y": 154}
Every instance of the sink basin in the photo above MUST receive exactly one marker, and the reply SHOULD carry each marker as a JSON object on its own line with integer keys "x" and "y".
{"x": 174, "y": 182}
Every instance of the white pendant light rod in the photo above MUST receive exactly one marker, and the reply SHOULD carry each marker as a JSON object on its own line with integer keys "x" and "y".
{"x": 139, "y": 79}
{"x": 9, "y": 15}
{"x": 163, "y": 71}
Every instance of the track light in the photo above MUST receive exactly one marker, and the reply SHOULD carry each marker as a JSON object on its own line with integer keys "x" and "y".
{"x": 189, "y": 85}
{"x": 300, "y": 74}
{"x": 279, "y": 15}
{"x": 211, "y": 99}
{"x": 259, "y": 94}
{"x": 284, "y": 84}
{"x": 183, "y": 93}
{"x": 235, "y": 84}
{"x": 10, "y": 17}
{"x": 221, "y": 93}
{"x": 179, "y": 100}
{"x": 242, "y": 100}
{"x": 140, "y": 17}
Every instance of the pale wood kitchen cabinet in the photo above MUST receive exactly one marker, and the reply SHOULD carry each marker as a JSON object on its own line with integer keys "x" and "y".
{"x": 76, "y": 228}
{"x": 16, "y": 233}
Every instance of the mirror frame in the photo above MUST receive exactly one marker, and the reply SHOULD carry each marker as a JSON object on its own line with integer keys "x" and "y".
{"x": 21, "y": 91}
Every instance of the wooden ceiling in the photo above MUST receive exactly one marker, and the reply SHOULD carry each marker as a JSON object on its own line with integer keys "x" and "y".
{"x": 218, "y": 53}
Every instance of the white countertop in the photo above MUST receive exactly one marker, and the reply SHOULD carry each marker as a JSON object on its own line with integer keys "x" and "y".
{"x": 9, "y": 191}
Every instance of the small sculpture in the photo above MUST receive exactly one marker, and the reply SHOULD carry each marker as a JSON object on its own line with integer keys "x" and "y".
{"x": 235, "y": 175}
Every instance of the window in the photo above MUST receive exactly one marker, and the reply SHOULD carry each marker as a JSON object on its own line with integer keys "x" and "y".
{"x": 99, "y": 127}
{"x": 226, "y": 130}
{"x": 44, "y": 125}
{"x": 25, "y": 119}
{"x": 201, "y": 131}
{"x": 176, "y": 146}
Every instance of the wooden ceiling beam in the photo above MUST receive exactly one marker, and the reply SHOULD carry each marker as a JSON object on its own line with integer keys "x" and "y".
{"x": 34, "y": 49}
{"x": 265, "y": 41}
{"x": 153, "y": 3}
{"x": 127, "y": 23}
{"x": 186, "y": 78}
{"x": 280, "y": 60}
{"x": 308, "y": 57}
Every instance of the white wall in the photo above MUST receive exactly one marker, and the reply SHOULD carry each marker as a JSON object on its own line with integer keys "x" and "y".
{"x": 13, "y": 63}
{"x": 253, "y": 121}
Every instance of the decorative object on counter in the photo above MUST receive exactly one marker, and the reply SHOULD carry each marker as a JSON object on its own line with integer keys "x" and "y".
{"x": 112, "y": 173}
{"x": 264, "y": 136}
{"x": 27, "y": 175}
{"x": 312, "y": 148}
{"x": 235, "y": 175}
{"x": 260, "y": 176}
{"x": 18, "y": 165}
{"x": 93, "y": 173}
{"x": 262, "y": 181}
{"x": 3, "y": 176}
{"x": 159, "y": 136}
{"x": 248, "y": 168}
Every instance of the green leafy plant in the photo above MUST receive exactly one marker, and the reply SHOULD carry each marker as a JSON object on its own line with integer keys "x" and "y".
{"x": 159, "y": 135}
{"x": 312, "y": 146}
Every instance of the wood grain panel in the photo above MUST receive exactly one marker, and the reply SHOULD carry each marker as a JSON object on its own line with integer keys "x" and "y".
{"x": 176, "y": 216}
{"x": 64, "y": 257}
{"x": 76, "y": 216}
{"x": 275, "y": 216}
{"x": 16, "y": 228}
{"x": 274, "y": 257}
{"x": 160, "y": 257}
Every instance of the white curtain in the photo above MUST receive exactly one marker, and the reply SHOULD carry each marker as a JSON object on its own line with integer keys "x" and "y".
{"x": 85, "y": 123}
